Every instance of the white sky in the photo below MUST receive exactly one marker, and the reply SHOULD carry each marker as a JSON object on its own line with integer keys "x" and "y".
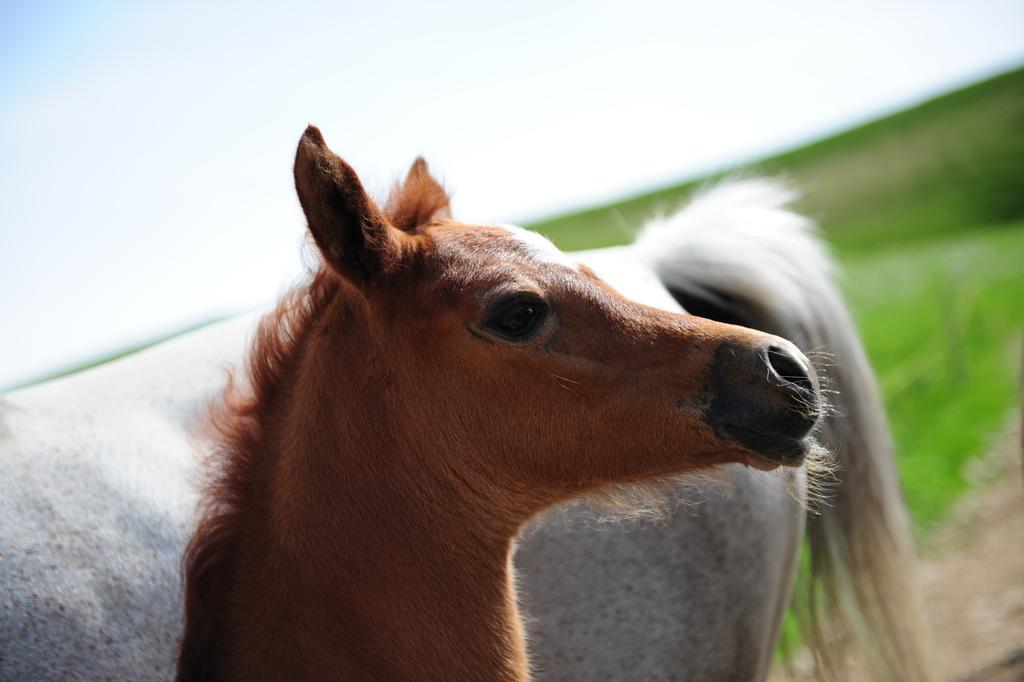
{"x": 146, "y": 149}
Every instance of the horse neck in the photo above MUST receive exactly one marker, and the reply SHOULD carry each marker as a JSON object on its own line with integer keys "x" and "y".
{"x": 359, "y": 560}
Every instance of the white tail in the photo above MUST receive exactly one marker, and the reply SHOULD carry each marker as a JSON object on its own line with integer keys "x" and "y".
{"x": 737, "y": 253}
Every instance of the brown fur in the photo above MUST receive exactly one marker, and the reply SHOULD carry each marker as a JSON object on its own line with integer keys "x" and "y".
{"x": 209, "y": 561}
{"x": 368, "y": 485}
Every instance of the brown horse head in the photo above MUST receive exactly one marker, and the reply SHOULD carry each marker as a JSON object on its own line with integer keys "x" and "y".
{"x": 525, "y": 370}
{"x": 434, "y": 386}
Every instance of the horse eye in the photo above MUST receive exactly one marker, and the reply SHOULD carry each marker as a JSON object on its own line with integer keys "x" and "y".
{"x": 518, "y": 318}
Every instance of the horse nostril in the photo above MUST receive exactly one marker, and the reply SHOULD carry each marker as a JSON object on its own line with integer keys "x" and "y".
{"x": 789, "y": 369}
{"x": 770, "y": 415}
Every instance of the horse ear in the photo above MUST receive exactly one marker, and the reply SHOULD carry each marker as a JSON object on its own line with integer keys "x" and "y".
{"x": 418, "y": 200}
{"x": 350, "y": 230}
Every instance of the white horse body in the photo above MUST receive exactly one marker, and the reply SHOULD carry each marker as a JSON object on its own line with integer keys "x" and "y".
{"x": 99, "y": 489}
{"x": 96, "y": 499}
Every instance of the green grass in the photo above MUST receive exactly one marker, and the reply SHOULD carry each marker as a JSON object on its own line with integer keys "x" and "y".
{"x": 925, "y": 210}
{"x": 942, "y": 322}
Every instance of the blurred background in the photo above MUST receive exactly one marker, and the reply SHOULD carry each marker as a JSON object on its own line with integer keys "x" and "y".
{"x": 146, "y": 151}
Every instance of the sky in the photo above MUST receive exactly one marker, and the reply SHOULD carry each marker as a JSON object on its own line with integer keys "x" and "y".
{"x": 146, "y": 148}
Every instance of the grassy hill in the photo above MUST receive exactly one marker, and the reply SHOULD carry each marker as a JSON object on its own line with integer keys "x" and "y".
{"x": 946, "y": 164}
{"x": 925, "y": 211}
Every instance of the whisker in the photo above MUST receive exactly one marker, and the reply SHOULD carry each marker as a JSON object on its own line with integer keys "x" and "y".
{"x": 558, "y": 380}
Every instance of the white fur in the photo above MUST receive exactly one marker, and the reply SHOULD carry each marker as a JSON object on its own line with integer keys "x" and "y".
{"x": 540, "y": 247}
{"x": 620, "y": 267}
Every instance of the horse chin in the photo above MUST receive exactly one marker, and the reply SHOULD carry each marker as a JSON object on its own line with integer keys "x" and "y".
{"x": 785, "y": 452}
{"x": 761, "y": 463}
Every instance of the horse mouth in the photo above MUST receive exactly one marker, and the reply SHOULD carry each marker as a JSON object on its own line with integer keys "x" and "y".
{"x": 771, "y": 450}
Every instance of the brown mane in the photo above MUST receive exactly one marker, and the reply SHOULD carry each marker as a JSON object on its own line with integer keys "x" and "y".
{"x": 238, "y": 422}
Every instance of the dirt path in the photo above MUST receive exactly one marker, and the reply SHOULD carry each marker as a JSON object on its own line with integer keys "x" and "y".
{"x": 974, "y": 573}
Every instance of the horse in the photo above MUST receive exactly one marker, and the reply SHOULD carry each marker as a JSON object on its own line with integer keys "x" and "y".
{"x": 406, "y": 353}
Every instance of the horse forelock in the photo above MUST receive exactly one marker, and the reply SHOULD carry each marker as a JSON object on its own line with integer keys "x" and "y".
{"x": 418, "y": 200}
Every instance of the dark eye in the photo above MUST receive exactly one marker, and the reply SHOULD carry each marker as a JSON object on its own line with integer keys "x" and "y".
{"x": 517, "y": 318}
